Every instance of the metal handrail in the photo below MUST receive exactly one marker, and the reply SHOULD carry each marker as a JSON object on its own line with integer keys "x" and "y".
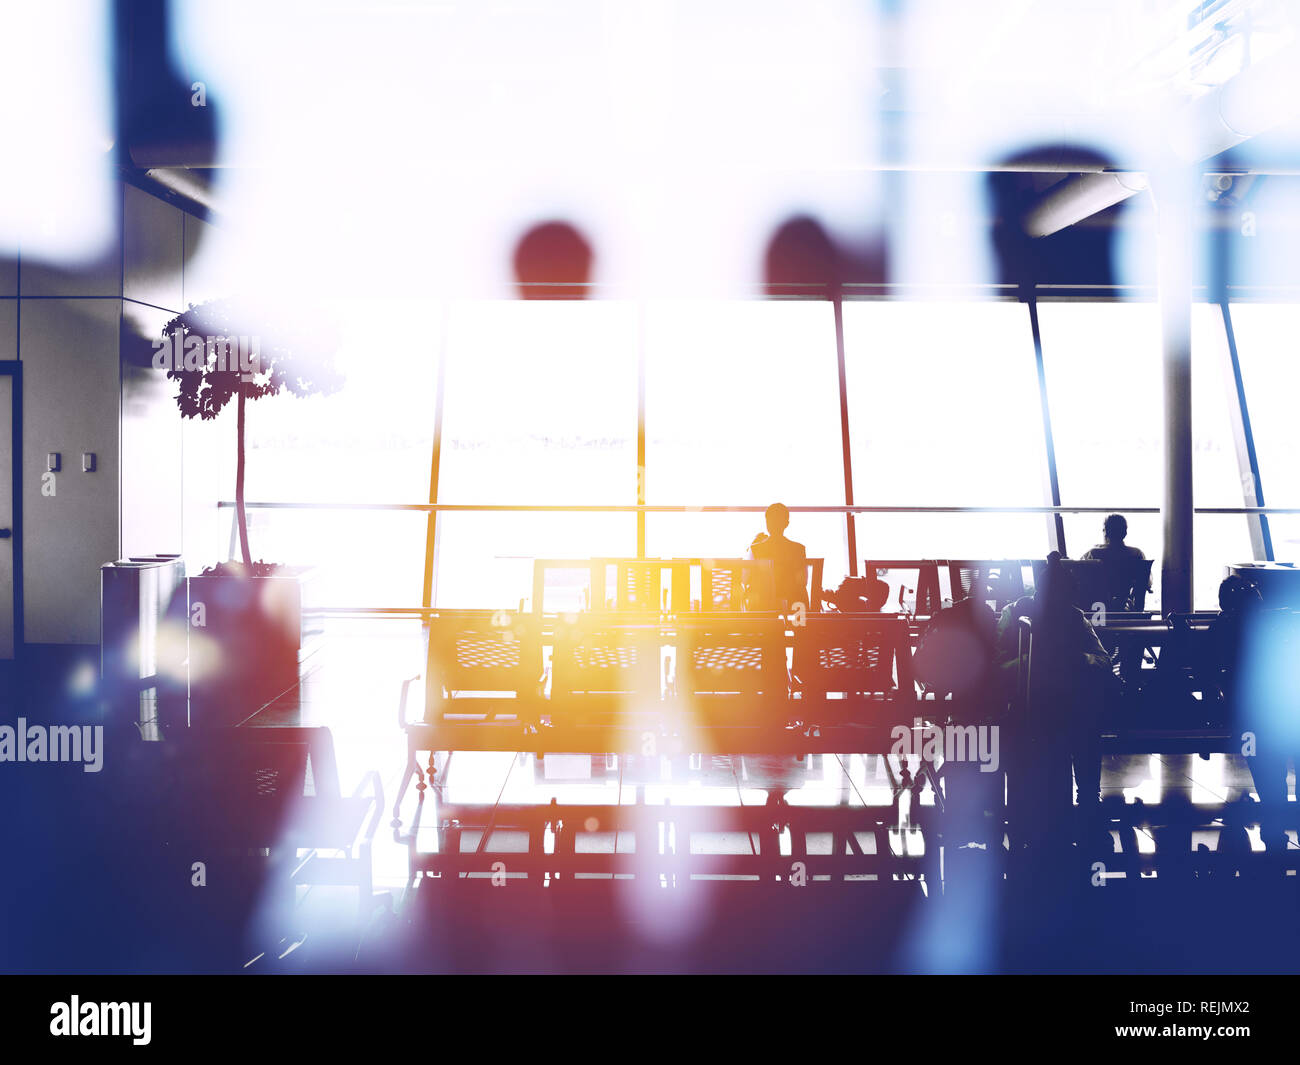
{"x": 652, "y": 508}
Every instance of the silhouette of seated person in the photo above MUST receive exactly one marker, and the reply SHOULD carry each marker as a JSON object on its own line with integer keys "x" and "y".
{"x": 788, "y": 557}
{"x": 1255, "y": 652}
{"x": 1072, "y": 677}
{"x": 1122, "y": 565}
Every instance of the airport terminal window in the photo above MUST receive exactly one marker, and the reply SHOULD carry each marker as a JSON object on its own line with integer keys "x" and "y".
{"x": 944, "y": 411}
{"x": 358, "y": 558}
{"x": 1102, "y": 362}
{"x": 541, "y": 403}
{"x": 369, "y": 442}
{"x": 540, "y": 409}
{"x": 742, "y": 404}
{"x": 1104, "y": 383}
{"x": 1216, "y": 477}
{"x": 485, "y": 560}
{"x": 1266, "y": 344}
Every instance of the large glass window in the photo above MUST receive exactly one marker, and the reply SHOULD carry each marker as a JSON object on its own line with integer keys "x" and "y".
{"x": 742, "y": 408}
{"x": 1268, "y": 339}
{"x": 1216, "y": 475}
{"x": 1104, "y": 381}
{"x": 541, "y": 403}
{"x": 368, "y": 442}
{"x": 944, "y": 411}
{"x": 485, "y": 560}
{"x": 358, "y": 558}
{"x": 540, "y": 409}
{"x": 1102, "y": 362}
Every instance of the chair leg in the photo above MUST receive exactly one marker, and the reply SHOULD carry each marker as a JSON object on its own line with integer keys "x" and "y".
{"x": 412, "y": 769}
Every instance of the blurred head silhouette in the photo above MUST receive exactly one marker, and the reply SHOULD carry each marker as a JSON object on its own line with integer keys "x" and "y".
{"x": 777, "y": 518}
{"x": 1115, "y": 528}
{"x": 1238, "y": 595}
{"x": 553, "y": 261}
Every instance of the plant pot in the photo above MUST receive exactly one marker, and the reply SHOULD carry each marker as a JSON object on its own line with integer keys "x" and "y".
{"x": 247, "y": 642}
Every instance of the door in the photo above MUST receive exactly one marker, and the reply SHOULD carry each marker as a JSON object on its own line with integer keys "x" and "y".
{"x": 9, "y": 597}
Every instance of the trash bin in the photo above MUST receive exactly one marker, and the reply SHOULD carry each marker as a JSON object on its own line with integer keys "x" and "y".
{"x": 142, "y": 642}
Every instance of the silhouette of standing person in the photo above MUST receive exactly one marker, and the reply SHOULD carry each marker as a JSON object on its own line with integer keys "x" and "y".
{"x": 788, "y": 557}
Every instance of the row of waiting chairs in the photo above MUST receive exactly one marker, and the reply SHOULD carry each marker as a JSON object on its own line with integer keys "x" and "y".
{"x": 1002, "y": 581}
{"x": 676, "y": 585}
{"x": 602, "y": 666}
{"x": 724, "y": 585}
{"x": 757, "y": 670}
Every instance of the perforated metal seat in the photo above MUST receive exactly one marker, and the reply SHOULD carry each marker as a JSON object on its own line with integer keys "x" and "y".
{"x": 478, "y": 655}
{"x": 735, "y": 584}
{"x": 605, "y": 668}
{"x": 852, "y": 667}
{"x": 1001, "y": 581}
{"x": 732, "y": 671}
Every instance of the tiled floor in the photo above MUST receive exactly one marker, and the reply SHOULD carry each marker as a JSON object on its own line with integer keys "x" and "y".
{"x": 353, "y": 684}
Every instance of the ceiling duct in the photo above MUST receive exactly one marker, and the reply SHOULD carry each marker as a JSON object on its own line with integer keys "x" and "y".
{"x": 1259, "y": 98}
{"x": 1080, "y": 197}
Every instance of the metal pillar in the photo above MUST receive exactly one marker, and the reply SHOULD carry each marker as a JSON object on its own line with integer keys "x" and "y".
{"x": 1174, "y": 191}
{"x": 640, "y": 429}
{"x": 837, "y": 302}
{"x": 1055, "y": 522}
{"x": 435, "y": 466}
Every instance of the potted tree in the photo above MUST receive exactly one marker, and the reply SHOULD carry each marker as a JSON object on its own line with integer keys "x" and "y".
{"x": 246, "y": 628}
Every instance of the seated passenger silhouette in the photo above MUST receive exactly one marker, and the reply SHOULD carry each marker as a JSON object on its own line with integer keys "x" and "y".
{"x": 788, "y": 557}
{"x": 1120, "y": 561}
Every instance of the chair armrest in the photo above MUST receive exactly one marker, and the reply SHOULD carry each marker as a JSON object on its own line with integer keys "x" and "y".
{"x": 1024, "y": 661}
{"x": 401, "y": 705}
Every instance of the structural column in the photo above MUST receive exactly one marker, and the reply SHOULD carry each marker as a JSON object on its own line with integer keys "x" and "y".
{"x": 1175, "y": 249}
{"x": 846, "y": 447}
{"x": 1055, "y": 522}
